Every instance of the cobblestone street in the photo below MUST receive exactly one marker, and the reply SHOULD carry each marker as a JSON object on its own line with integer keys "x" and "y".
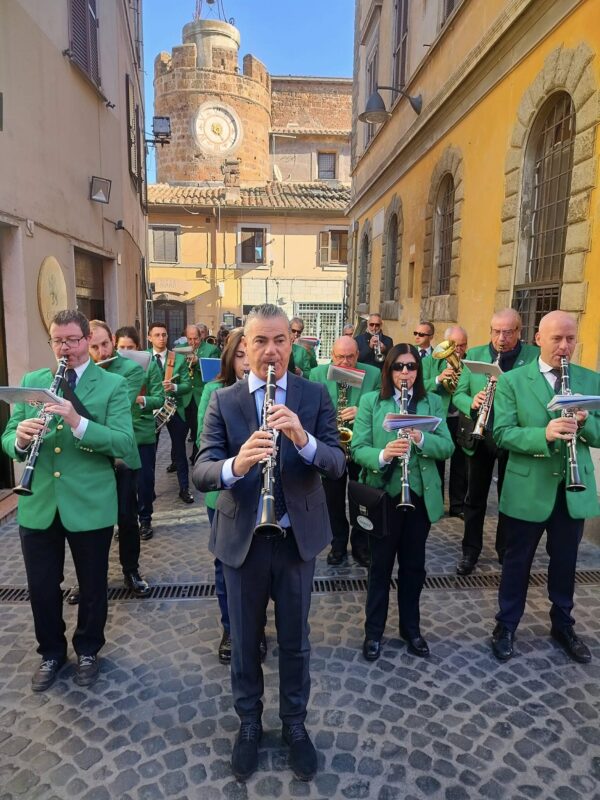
{"x": 160, "y": 724}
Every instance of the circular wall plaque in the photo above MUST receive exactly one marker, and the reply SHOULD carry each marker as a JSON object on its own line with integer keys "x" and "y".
{"x": 52, "y": 290}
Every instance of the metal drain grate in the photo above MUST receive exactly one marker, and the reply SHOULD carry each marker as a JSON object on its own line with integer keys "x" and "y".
{"x": 191, "y": 591}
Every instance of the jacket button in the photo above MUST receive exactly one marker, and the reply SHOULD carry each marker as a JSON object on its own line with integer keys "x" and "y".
{"x": 59, "y": 427}
{"x": 57, "y": 450}
{"x": 57, "y": 474}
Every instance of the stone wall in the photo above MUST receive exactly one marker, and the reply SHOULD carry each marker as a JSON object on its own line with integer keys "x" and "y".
{"x": 322, "y": 103}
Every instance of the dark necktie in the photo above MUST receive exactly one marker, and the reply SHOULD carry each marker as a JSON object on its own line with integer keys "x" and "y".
{"x": 71, "y": 377}
{"x": 422, "y": 353}
{"x": 280, "y": 506}
{"x": 557, "y": 381}
{"x": 158, "y": 360}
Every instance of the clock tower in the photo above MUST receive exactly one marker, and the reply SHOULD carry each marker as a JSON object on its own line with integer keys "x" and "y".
{"x": 217, "y": 113}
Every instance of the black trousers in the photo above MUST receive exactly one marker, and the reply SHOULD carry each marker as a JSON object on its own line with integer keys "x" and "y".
{"x": 191, "y": 417}
{"x": 129, "y": 530}
{"x": 145, "y": 482}
{"x": 178, "y": 430}
{"x": 44, "y": 555}
{"x": 522, "y": 538}
{"x": 335, "y": 495}
{"x": 408, "y": 531}
{"x": 273, "y": 568}
{"x": 480, "y": 469}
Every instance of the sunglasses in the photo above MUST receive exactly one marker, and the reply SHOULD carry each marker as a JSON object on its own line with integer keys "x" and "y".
{"x": 418, "y": 333}
{"x": 295, "y": 330}
{"x": 411, "y": 366}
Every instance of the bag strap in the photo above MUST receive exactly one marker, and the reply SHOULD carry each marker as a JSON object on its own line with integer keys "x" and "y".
{"x": 170, "y": 365}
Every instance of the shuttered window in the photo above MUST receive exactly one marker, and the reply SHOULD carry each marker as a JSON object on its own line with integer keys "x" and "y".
{"x": 132, "y": 128}
{"x": 164, "y": 245}
{"x": 253, "y": 245}
{"x": 333, "y": 247}
{"x": 84, "y": 37}
{"x": 400, "y": 43}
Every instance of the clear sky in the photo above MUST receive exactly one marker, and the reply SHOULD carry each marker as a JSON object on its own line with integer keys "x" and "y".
{"x": 289, "y": 37}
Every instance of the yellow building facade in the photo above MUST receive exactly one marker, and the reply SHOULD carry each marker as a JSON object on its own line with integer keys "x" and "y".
{"x": 487, "y": 198}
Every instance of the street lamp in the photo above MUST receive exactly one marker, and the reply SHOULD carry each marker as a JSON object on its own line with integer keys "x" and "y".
{"x": 376, "y": 112}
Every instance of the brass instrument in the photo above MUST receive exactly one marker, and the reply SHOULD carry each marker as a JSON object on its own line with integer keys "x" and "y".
{"x": 211, "y": 339}
{"x": 344, "y": 431}
{"x": 379, "y": 356}
{"x": 268, "y": 519}
{"x": 447, "y": 350}
{"x": 485, "y": 409}
{"x": 24, "y": 488}
{"x": 405, "y": 500}
{"x": 574, "y": 482}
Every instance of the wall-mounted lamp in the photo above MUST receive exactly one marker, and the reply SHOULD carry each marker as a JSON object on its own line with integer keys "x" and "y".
{"x": 161, "y": 131}
{"x": 100, "y": 189}
{"x": 376, "y": 112}
{"x": 119, "y": 226}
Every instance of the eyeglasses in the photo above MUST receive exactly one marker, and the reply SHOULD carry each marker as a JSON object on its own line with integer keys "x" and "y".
{"x": 411, "y": 366}
{"x": 496, "y": 332}
{"x": 295, "y": 330}
{"x": 419, "y": 333}
{"x": 70, "y": 341}
{"x": 374, "y": 324}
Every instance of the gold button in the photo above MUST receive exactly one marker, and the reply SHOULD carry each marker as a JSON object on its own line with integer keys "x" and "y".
{"x": 59, "y": 427}
{"x": 57, "y": 450}
{"x": 57, "y": 474}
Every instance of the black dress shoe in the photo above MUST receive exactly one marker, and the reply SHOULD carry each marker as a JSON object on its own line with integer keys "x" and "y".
{"x": 171, "y": 468}
{"x": 146, "y": 531}
{"x": 335, "y": 557}
{"x": 361, "y": 557}
{"x": 134, "y": 581}
{"x": 224, "y": 651}
{"x": 244, "y": 759}
{"x": 371, "y": 649}
{"x": 573, "y": 646}
{"x": 186, "y": 496}
{"x": 73, "y": 596}
{"x": 87, "y": 670}
{"x": 459, "y": 514}
{"x": 502, "y": 642}
{"x": 303, "y": 756}
{"x": 417, "y": 646}
{"x": 466, "y": 565}
{"x": 262, "y": 647}
{"x": 46, "y": 673}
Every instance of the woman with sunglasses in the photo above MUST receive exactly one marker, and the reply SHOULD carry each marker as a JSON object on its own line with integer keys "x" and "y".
{"x": 379, "y": 453}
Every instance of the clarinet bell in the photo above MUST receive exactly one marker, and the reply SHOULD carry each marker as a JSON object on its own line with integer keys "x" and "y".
{"x": 405, "y": 501}
{"x": 268, "y": 520}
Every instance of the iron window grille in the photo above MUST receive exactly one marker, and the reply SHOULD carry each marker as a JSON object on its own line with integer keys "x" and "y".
{"x": 444, "y": 224}
{"x": 363, "y": 270}
{"x": 391, "y": 257}
{"x": 326, "y": 166}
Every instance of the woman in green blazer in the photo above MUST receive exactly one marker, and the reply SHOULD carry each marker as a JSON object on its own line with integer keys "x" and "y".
{"x": 378, "y": 452}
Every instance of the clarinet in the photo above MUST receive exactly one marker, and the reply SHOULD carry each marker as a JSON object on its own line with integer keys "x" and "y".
{"x": 268, "y": 519}
{"x": 485, "y": 408}
{"x": 405, "y": 501}
{"x": 24, "y": 488}
{"x": 574, "y": 483}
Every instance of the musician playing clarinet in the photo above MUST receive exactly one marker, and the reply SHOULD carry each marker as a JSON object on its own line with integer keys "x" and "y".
{"x": 542, "y": 490}
{"x": 74, "y": 496}
{"x": 277, "y": 559}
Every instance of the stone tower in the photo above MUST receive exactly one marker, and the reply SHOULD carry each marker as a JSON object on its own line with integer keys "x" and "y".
{"x": 218, "y": 115}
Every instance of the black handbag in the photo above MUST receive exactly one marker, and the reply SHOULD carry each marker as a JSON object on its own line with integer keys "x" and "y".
{"x": 369, "y": 508}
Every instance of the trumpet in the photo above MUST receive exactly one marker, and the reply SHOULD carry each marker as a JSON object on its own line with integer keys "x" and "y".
{"x": 447, "y": 350}
{"x": 268, "y": 519}
{"x": 24, "y": 488}
{"x": 574, "y": 483}
{"x": 485, "y": 409}
{"x": 405, "y": 500}
{"x": 379, "y": 356}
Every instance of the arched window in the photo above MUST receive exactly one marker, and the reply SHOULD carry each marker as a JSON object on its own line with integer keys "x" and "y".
{"x": 545, "y": 202}
{"x": 363, "y": 269}
{"x": 443, "y": 225}
{"x": 391, "y": 259}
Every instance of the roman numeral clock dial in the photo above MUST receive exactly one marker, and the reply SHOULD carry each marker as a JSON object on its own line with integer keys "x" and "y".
{"x": 217, "y": 129}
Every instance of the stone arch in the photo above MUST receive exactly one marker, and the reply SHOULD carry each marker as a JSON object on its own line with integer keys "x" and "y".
{"x": 565, "y": 70}
{"x": 443, "y": 307}
{"x": 390, "y": 309}
{"x": 364, "y": 255}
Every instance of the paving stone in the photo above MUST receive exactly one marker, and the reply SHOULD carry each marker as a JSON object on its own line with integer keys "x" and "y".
{"x": 428, "y": 784}
{"x": 358, "y": 789}
{"x": 344, "y": 762}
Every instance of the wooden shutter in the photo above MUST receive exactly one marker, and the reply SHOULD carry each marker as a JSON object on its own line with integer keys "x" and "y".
{"x": 84, "y": 38}
{"x": 132, "y": 127}
{"x": 323, "y": 248}
{"x": 248, "y": 251}
{"x": 93, "y": 42}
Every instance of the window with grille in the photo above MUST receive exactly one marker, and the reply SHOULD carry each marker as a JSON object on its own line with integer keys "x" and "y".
{"x": 323, "y": 320}
{"x": 363, "y": 270}
{"x": 371, "y": 86}
{"x": 83, "y": 35}
{"x": 442, "y": 236}
{"x": 333, "y": 248}
{"x": 326, "y": 166}
{"x": 546, "y": 193}
{"x": 400, "y": 43}
{"x": 164, "y": 245}
{"x": 132, "y": 128}
{"x": 252, "y": 245}
{"x": 391, "y": 258}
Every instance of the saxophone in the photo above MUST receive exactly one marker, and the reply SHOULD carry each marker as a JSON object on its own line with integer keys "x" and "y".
{"x": 405, "y": 501}
{"x": 344, "y": 430}
{"x": 574, "y": 482}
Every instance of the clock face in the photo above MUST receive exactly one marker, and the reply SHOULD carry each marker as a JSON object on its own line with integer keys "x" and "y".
{"x": 217, "y": 129}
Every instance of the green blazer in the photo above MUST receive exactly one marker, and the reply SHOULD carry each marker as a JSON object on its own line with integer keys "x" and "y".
{"x": 210, "y": 498}
{"x": 303, "y": 359}
{"x": 536, "y": 467}
{"x": 144, "y": 425}
{"x": 181, "y": 377}
{"x": 370, "y": 438}
{"x": 134, "y": 377}
{"x": 371, "y": 382}
{"x": 72, "y": 476}
{"x": 432, "y": 367}
{"x": 205, "y": 350}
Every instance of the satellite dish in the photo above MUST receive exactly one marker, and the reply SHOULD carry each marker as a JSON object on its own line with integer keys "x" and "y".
{"x": 277, "y": 173}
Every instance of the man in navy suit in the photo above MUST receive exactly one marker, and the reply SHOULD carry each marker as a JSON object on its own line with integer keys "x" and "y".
{"x": 276, "y": 564}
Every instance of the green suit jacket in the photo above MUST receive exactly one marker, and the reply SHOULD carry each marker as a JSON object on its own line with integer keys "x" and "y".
{"x": 370, "y": 438}
{"x": 72, "y": 476}
{"x": 371, "y": 382}
{"x": 304, "y": 360}
{"x": 134, "y": 377}
{"x": 536, "y": 467}
{"x": 144, "y": 424}
{"x": 210, "y": 498}
{"x": 181, "y": 377}
{"x": 206, "y": 350}
{"x": 432, "y": 367}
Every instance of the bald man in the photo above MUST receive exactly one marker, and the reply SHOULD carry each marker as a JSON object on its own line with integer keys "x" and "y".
{"x": 534, "y": 495}
{"x": 344, "y": 353}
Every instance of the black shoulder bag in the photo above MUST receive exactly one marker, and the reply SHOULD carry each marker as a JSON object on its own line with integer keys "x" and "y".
{"x": 369, "y": 508}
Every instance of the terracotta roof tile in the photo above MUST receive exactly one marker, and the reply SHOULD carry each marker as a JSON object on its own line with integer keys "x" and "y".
{"x": 275, "y": 195}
